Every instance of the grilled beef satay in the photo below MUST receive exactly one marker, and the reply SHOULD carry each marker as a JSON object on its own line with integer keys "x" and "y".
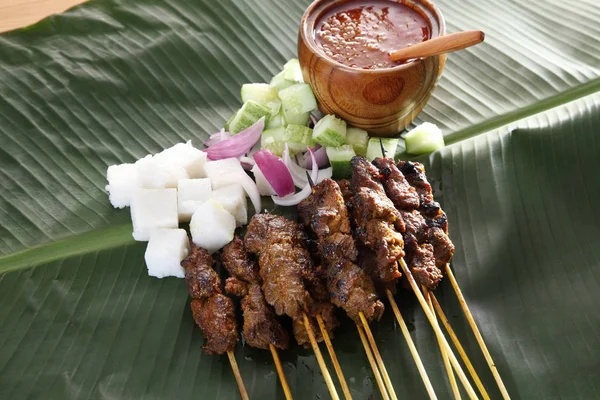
{"x": 435, "y": 218}
{"x": 213, "y": 312}
{"x": 350, "y": 288}
{"x": 419, "y": 255}
{"x": 261, "y": 327}
{"x": 378, "y": 223}
{"x": 289, "y": 279}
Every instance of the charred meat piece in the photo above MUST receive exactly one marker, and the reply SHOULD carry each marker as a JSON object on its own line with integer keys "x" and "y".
{"x": 378, "y": 222}
{"x": 443, "y": 248}
{"x": 396, "y": 186}
{"x": 261, "y": 327}
{"x": 327, "y": 312}
{"x": 285, "y": 265}
{"x": 421, "y": 261}
{"x": 200, "y": 277}
{"x": 238, "y": 263}
{"x": 350, "y": 288}
{"x": 416, "y": 225}
{"x": 215, "y": 315}
{"x": 415, "y": 175}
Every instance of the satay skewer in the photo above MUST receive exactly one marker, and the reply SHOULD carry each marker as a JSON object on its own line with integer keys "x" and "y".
{"x": 411, "y": 346}
{"x": 284, "y": 384}
{"x": 373, "y": 363}
{"x": 238, "y": 376}
{"x": 475, "y": 329}
{"x": 334, "y": 359}
{"x": 459, "y": 347}
{"x": 447, "y": 365}
{"x": 380, "y": 364}
{"x": 320, "y": 359}
{"x": 431, "y": 318}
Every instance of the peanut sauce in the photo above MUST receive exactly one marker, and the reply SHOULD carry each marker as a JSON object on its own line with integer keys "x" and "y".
{"x": 360, "y": 34}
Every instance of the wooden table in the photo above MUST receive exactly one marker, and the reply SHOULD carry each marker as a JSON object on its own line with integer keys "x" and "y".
{"x": 18, "y": 13}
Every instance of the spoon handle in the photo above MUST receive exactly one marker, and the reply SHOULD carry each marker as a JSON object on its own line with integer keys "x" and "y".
{"x": 439, "y": 45}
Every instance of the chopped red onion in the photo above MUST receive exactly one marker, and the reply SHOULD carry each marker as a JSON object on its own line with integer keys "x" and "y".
{"x": 237, "y": 145}
{"x": 299, "y": 173}
{"x": 296, "y": 198}
{"x": 320, "y": 156}
{"x": 275, "y": 171}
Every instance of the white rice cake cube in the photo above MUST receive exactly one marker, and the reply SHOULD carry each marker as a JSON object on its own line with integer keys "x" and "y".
{"x": 233, "y": 199}
{"x": 152, "y": 209}
{"x": 185, "y": 156}
{"x": 212, "y": 226}
{"x": 122, "y": 180}
{"x": 190, "y": 194}
{"x": 165, "y": 251}
{"x": 155, "y": 173}
{"x": 224, "y": 172}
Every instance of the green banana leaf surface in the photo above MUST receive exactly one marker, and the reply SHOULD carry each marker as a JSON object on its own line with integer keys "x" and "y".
{"x": 110, "y": 81}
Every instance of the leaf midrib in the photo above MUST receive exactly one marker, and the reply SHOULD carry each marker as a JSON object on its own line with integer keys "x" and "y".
{"x": 120, "y": 235}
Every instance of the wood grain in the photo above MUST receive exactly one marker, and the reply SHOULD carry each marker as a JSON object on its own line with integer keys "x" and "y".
{"x": 20, "y": 13}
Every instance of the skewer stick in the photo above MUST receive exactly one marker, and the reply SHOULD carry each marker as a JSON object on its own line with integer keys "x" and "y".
{"x": 369, "y": 353}
{"x": 447, "y": 365}
{"x": 284, "y": 385}
{"x": 334, "y": 360}
{"x": 486, "y": 353}
{"x": 437, "y": 330}
{"x": 320, "y": 359}
{"x": 411, "y": 346}
{"x": 461, "y": 350}
{"x": 384, "y": 374}
{"x": 238, "y": 376}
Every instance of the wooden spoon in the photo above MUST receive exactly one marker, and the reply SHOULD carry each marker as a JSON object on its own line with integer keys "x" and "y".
{"x": 439, "y": 45}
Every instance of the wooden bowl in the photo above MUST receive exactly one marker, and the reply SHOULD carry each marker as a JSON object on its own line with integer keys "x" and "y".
{"x": 381, "y": 101}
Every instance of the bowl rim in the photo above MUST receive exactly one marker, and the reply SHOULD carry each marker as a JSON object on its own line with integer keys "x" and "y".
{"x": 307, "y": 38}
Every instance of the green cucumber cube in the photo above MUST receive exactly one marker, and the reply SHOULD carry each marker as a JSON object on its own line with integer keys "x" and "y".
{"x": 279, "y": 82}
{"x": 276, "y": 121}
{"x": 292, "y": 71}
{"x": 330, "y": 131}
{"x": 298, "y": 99}
{"x": 374, "y": 148}
{"x": 274, "y": 140}
{"x": 250, "y": 112}
{"x": 359, "y": 139}
{"x": 339, "y": 158}
{"x": 296, "y": 119}
{"x": 298, "y": 137}
{"x": 262, "y": 93}
{"x": 425, "y": 138}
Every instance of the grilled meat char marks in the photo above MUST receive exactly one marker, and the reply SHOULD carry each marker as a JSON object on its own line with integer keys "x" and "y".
{"x": 396, "y": 186}
{"x": 261, "y": 327}
{"x": 291, "y": 283}
{"x": 378, "y": 222}
{"x": 213, "y": 312}
{"x": 350, "y": 288}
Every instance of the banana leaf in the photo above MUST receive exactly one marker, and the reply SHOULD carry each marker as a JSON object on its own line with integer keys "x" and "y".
{"x": 110, "y": 81}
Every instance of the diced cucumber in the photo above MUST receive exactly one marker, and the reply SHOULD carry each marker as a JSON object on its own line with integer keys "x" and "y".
{"x": 298, "y": 99}
{"x": 276, "y": 121}
{"x": 250, "y": 112}
{"x": 374, "y": 148}
{"x": 279, "y": 82}
{"x": 292, "y": 71}
{"x": 339, "y": 158}
{"x": 298, "y": 137}
{"x": 226, "y": 127}
{"x": 262, "y": 93}
{"x": 330, "y": 131}
{"x": 296, "y": 119}
{"x": 425, "y": 138}
{"x": 274, "y": 140}
{"x": 359, "y": 139}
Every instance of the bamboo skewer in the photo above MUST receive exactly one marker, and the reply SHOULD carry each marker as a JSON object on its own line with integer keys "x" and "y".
{"x": 459, "y": 348}
{"x": 238, "y": 376}
{"x": 284, "y": 384}
{"x": 437, "y": 330}
{"x": 334, "y": 360}
{"x": 411, "y": 346}
{"x": 475, "y": 329}
{"x": 371, "y": 359}
{"x": 320, "y": 359}
{"x": 447, "y": 365}
{"x": 384, "y": 374}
